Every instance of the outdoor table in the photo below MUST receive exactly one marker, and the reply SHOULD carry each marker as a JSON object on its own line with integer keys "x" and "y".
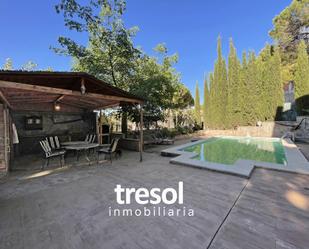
{"x": 79, "y": 147}
{"x": 73, "y": 143}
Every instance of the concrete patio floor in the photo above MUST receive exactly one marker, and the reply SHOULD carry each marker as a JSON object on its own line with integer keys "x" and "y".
{"x": 68, "y": 208}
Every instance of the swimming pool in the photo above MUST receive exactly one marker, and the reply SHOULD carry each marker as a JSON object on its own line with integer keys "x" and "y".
{"x": 240, "y": 155}
{"x": 227, "y": 150}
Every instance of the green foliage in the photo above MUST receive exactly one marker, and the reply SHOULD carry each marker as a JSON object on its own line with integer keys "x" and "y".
{"x": 112, "y": 56}
{"x": 29, "y": 66}
{"x": 301, "y": 76}
{"x": 276, "y": 86}
{"x": 287, "y": 27}
{"x": 8, "y": 65}
{"x": 246, "y": 92}
{"x": 234, "y": 106}
{"x": 206, "y": 108}
{"x": 184, "y": 117}
{"x": 158, "y": 83}
{"x": 220, "y": 90}
{"x": 197, "y": 105}
{"x": 211, "y": 106}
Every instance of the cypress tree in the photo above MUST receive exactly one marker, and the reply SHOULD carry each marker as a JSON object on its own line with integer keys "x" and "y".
{"x": 276, "y": 94}
{"x": 301, "y": 76}
{"x": 211, "y": 101}
{"x": 233, "y": 106}
{"x": 260, "y": 92}
{"x": 243, "y": 95}
{"x": 246, "y": 92}
{"x": 272, "y": 89}
{"x": 220, "y": 82}
{"x": 206, "y": 104}
{"x": 252, "y": 90}
{"x": 197, "y": 105}
{"x": 265, "y": 82}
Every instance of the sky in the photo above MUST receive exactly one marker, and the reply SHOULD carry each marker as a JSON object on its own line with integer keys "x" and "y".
{"x": 187, "y": 27}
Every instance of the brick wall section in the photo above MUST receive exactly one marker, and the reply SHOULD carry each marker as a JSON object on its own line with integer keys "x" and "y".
{"x": 3, "y": 168}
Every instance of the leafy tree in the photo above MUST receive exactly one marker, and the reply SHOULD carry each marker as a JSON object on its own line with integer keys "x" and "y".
{"x": 287, "y": 28}
{"x": 8, "y": 65}
{"x": 161, "y": 85}
{"x": 182, "y": 100}
{"x": 301, "y": 76}
{"x": 197, "y": 105}
{"x": 29, "y": 66}
{"x": 49, "y": 69}
{"x": 182, "y": 97}
{"x": 206, "y": 106}
{"x": 111, "y": 56}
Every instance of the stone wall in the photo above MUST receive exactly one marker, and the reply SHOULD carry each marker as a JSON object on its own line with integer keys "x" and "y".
{"x": 65, "y": 126}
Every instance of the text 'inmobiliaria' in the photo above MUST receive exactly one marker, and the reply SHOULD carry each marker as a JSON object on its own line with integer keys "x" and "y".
{"x": 154, "y": 202}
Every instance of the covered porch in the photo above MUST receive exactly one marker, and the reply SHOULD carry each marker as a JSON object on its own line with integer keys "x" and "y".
{"x": 62, "y": 104}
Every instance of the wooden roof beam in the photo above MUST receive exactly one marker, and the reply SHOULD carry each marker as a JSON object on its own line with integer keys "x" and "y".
{"x": 28, "y": 87}
{"x": 60, "y": 98}
{"x": 4, "y": 99}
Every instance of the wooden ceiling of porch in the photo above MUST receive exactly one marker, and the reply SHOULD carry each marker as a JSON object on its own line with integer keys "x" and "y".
{"x": 39, "y": 91}
{"x": 40, "y": 101}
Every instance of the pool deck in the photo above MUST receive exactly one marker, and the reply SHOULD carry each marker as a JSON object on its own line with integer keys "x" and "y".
{"x": 67, "y": 208}
{"x": 296, "y": 161}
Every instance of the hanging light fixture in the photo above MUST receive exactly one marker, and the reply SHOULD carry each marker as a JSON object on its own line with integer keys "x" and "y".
{"x": 57, "y": 106}
{"x": 82, "y": 88}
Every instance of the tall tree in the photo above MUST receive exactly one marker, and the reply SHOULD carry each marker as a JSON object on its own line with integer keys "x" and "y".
{"x": 211, "y": 112}
{"x": 157, "y": 80}
{"x": 220, "y": 83}
{"x": 252, "y": 89}
{"x": 110, "y": 54}
{"x": 234, "y": 107}
{"x": 243, "y": 91}
{"x": 301, "y": 77}
{"x": 197, "y": 105}
{"x": 206, "y": 107}
{"x": 277, "y": 85}
{"x": 181, "y": 100}
{"x": 288, "y": 26}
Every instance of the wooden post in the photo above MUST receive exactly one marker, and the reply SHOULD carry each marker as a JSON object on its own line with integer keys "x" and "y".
{"x": 141, "y": 137}
{"x": 100, "y": 128}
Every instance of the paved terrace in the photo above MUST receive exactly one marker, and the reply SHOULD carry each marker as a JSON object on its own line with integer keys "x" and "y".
{"x": 68, "y": 208}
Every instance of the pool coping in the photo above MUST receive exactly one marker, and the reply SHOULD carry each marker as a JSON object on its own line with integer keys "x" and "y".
{"x": 296, "y": 161}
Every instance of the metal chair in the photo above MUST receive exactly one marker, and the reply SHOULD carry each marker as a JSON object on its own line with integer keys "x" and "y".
{"x": 90, "y": 138}
{"x": 109, "y": 151}
{"x": 49, "y": 153}
{"x": 54, "y": 143}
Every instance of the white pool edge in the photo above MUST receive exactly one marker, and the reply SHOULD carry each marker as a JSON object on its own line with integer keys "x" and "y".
{"x": 296, "y": 161}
